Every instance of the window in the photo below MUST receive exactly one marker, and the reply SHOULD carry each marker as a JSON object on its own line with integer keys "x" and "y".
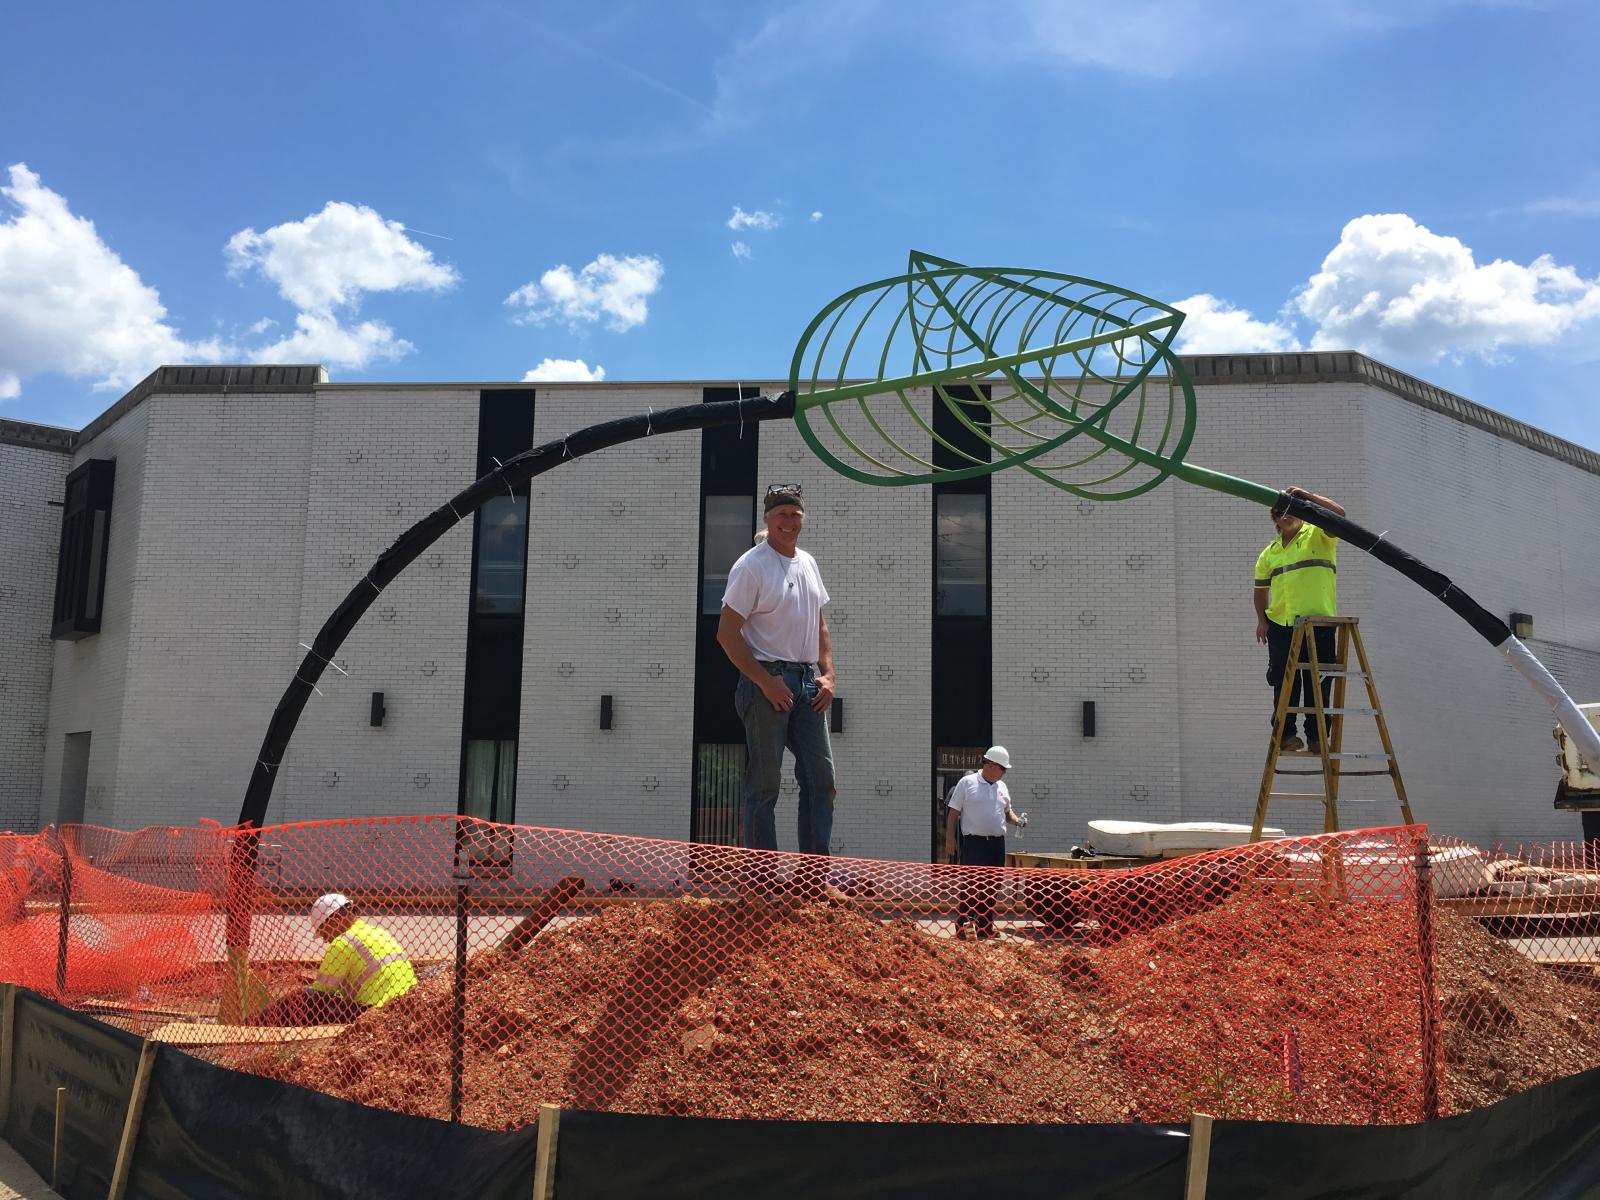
{"x": 960, "y": 577}
{"x": 729, "y": 526}
{"x": 491, "y": 793}
{"x": 491, "y": 780}
{"x": 502, "y": 554}
{"x": 719, "y": 792}
{"x": 81, "y": 567}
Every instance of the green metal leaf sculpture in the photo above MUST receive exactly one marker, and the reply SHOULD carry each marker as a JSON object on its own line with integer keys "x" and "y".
{"x": 1070, "y": 379}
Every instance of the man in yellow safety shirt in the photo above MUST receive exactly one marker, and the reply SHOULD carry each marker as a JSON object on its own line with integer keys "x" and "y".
{"x": 1297, "y": 576}
{"x": 364, "y": 967}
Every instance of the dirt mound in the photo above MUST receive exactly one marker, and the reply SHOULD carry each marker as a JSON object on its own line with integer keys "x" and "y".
{"x": 1508, "y": 1024}
{"x": 1263, "y": 1006}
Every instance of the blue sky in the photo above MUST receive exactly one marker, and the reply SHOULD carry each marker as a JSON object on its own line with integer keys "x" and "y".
{"x": 482, "y": 191}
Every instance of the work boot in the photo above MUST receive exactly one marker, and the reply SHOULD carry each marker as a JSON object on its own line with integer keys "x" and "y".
{"x": 1291, "y": 744}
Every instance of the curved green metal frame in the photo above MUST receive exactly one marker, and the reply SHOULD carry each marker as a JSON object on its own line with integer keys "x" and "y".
{"x": 949, "y": 309}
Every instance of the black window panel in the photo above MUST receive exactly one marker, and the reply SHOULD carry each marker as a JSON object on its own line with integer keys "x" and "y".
{"x": 505, "y": 425}
{"x": 715, "y": 679}
{"x": 728, "y": 463}
{"x": 963, "y": 698}
{"x": 728, "y": 459}
{"x": 84, "y": 548}
{"x": 494, "y": 693}
{"x": 492, "y": 705}
{"x": 965, "y": 445}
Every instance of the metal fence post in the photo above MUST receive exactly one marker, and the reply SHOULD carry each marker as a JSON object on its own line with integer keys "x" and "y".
{"x": 458, "y": 1003}
{"x": 66, "y": 914}
{"x": 1429, "y": 1007}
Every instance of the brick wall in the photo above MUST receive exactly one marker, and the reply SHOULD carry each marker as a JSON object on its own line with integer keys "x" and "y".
{"x": 240, "y": 522}
{"x": 31, "y": 481}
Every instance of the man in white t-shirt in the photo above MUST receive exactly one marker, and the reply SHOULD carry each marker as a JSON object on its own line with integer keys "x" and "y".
{"x": 772, "y": 629}
{"x": 979, "y": 810}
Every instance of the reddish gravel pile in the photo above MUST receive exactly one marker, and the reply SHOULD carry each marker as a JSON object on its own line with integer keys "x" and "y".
{"x": 1261, "y": 1007}
{"x": 1508, "y": 1024}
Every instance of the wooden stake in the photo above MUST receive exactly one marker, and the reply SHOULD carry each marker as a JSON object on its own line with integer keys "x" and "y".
{"x": 130, "y": 1125}
{"x": 544, "y": 1170}
{"x": 1194, "y": 1187}
{"x": 8, "y": 1031}
{"x": 61, "y": 1128}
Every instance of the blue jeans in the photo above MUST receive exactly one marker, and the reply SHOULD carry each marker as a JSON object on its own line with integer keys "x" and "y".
{"x": 805, "y": 732}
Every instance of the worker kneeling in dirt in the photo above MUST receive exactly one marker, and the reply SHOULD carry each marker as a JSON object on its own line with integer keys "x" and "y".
{"x": 364, "y": 967}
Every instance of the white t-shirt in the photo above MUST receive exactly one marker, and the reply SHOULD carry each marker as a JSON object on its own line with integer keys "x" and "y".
{"x": 781, "y": 602}
{"x": 982, "y": 805}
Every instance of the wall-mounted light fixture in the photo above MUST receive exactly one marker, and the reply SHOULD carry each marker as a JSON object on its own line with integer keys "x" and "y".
{"x": 836, "y": 716}
{"x": 375, "y": 718}
{"x": 605, "y": 712}
{"x": 1088, "y": 718}
{"x": 1521, "y": 625}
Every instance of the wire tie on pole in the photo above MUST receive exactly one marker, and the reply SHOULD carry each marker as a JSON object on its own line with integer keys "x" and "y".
{"x": 452, "y": 506}
{"x": 374, "y": 586}
{"x": 503, "y": 478}
{"x": 565, "y": 453}
{"x": 329, "y": 661}
{"x": 302, "y": 679}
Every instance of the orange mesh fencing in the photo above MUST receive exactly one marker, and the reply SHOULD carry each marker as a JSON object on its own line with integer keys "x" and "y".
{"x": 98, "y": 912}
{"x": 1284, "y": 980}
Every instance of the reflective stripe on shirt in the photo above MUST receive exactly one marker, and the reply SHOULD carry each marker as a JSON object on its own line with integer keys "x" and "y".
{"x": 1295, "y": 566}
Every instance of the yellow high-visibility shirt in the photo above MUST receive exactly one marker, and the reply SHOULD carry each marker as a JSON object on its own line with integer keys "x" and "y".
{"x": 365, "y": 964}
{"x": 1302, "y": 577}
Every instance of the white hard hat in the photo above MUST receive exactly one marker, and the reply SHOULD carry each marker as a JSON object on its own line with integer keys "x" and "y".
{"x": 325, "y": 906}
{"x": 998, "y": 755}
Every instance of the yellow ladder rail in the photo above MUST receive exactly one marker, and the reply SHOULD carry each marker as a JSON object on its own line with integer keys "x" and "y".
{"x": 1330, "y": 724}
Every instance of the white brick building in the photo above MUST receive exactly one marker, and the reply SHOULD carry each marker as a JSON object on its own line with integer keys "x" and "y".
{"x": 247, "y": 501}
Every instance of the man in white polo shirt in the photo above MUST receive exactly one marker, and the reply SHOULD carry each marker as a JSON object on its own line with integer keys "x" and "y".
{"x": 980, "y": 809}
{"x": 772, "y": 629}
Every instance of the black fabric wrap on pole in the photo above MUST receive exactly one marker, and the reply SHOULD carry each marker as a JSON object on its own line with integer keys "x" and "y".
{"x": 410, "y": 544}
{"x": 1490, "y": 627}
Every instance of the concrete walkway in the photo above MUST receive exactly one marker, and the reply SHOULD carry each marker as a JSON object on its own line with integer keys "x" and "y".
{"x": 19, "y": 1181}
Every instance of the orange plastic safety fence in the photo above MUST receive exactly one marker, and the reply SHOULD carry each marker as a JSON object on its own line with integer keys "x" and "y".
{"x": 1518, "y": 954}
{"x": 1283, "y": 980}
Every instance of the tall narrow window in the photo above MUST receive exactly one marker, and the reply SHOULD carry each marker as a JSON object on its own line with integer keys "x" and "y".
{"x": 727, "y": 533}
{"x": 961, "y": 549}
{"x": 502, "y": 555}
{"x": 81, "y": 567}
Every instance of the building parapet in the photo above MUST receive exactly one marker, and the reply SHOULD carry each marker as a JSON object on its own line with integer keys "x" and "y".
{"x": 1345, "y": 366}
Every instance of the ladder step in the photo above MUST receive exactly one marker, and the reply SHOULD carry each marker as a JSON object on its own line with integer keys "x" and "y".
{"x": 1338, "y": 712}
{"x": 1296, "y": 796}
{"x": 1359, "y": 755}
{"x": 1346, "y": 674}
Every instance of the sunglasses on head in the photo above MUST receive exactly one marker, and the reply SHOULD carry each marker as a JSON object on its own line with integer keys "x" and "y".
{"x": 785, "y": 487}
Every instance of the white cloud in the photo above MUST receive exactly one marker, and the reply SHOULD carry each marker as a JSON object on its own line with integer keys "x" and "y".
{"x": 334, "y": 256}
{"x": 1213, "y": 326}
{"x": 68, "y": 303}
{"x": 322, "y": 338}
{"x": 753, "y": 220}
{"x": 619, "y": 288}
{"x": 565, "y": 370}
{"x": 741, "y": 250}
{"x": 816, "y": 216}
{"x": 1394, "y": 288}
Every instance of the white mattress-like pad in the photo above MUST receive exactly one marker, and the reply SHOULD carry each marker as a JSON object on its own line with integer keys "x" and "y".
{"x": 1147, "y": 840}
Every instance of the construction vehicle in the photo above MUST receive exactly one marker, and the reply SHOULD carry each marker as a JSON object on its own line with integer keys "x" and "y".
{"x": 1579, "y": 788}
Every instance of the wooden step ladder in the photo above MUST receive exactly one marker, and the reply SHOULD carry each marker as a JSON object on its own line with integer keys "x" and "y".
{"x": 1337, "y": 763}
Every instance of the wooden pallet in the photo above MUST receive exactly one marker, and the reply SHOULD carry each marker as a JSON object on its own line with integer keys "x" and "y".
{"x": 183, "y": 1033}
